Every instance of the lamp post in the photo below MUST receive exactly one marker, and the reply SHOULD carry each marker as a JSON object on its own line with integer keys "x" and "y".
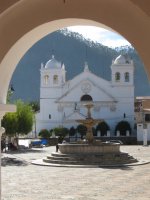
{"x": 35, "y": 135}
{"x": 10, "y": 93}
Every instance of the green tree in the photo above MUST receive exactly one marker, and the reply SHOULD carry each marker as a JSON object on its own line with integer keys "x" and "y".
{"x": 61, "y": 132}
{"x": 44, "y": 133}
{"x": 35, "y": 106}
{"x": 82, "y": 130}
{"x": 10, "y": 123}
{"x": 72, "y": 131}
{"x": 20, "y": 122}
{"x": 25, "y": 118}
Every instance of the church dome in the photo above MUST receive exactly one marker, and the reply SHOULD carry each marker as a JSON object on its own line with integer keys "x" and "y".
{"x": 122, "y": 59}
{"x": 53, "y": 64}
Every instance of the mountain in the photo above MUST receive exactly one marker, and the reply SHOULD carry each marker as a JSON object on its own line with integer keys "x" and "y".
{"x": 73, "y": 50}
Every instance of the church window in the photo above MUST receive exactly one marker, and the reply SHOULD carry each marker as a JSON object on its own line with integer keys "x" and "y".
{"x": 46, "y": 77}
{"x": 117, "y": 76}
{"x": 55, "y": 79}
{"x": 86, "y": 97}
{"x": 126, "y": 77}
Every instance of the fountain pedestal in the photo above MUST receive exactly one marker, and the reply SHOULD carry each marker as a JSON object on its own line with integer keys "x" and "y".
{"x": 89, "y": 136}
{"x": 89, "y": 155}
{"x": 89, "y": 149}
{"x": 89, "y": 122}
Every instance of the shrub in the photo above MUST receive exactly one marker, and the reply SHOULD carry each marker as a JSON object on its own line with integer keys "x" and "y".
{"x": 103, "y": 128}
{"x": 82, "y": 130}
{"x": 72, "y": 131}
{"x": 123, "y": 126}
{"x": 61, "y": 132}
{"x": 44, "y": 133}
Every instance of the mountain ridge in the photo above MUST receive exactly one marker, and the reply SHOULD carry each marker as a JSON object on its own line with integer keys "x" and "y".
{"x": 73, "y": 50}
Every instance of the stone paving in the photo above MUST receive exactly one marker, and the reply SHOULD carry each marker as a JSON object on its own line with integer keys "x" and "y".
{"x": 23, "y": 181}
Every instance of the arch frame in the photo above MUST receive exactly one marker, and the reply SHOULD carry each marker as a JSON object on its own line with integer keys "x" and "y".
{"x": 128, "y": 18}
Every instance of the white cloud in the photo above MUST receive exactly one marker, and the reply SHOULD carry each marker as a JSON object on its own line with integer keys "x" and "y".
{"x": 115, "y": 43}
{"x": 100, "y": 35}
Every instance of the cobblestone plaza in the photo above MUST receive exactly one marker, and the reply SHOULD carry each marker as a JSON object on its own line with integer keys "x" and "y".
{"x": 23, "y": 181}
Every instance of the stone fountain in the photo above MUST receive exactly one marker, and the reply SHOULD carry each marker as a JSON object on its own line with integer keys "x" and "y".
{"x": 91, "y": 153}
{"x": 91, "y": 146}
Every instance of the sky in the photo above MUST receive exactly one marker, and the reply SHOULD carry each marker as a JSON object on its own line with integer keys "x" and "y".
{"x": 100, "y": 35}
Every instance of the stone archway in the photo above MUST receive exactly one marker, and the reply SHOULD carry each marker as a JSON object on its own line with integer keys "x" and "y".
{"x": 20, "y": 18}
{"x": 19, "y": 21}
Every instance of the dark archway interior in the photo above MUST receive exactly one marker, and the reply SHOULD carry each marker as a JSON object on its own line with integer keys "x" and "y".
{"x": 86, "y": 97}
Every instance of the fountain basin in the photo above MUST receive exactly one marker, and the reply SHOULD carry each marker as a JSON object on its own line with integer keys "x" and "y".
{"x": 89, "y": 148}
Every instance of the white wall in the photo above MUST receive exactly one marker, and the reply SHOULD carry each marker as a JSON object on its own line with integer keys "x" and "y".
{"x": 140, "y": 132}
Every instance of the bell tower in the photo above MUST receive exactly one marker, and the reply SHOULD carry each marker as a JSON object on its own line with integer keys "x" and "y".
{"x": 53, "y": 78}
{"x": 122, "y": 71}
{"x": 53, "y": 74}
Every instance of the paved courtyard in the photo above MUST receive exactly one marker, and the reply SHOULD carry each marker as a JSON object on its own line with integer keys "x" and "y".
{"x": 23, "y": 181}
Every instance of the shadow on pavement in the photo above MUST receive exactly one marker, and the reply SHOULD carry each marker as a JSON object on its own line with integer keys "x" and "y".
{"x": 26, "y": 151}
{"x": 7, "y": 161}
{"x": 118, "y": 167}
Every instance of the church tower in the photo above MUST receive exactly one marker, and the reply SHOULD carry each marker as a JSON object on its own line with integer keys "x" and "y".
{"x": 53, "y": 74}
{"x": 122, "y": 71}
{"x": 53, "y": 77}
{"x": 123, "y": 82}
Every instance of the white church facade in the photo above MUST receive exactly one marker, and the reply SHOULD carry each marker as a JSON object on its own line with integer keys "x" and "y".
{"x": 63, "y": 102}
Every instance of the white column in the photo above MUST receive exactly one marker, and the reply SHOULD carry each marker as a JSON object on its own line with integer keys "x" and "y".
{"x": 98, "y": 133}
{"x": 53, "y": 135}
{"x": 108, "y": 133}
{"x": 127, "y": 133}
{"x": 118, "y": 133}
{"x": 140, "y": 132}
